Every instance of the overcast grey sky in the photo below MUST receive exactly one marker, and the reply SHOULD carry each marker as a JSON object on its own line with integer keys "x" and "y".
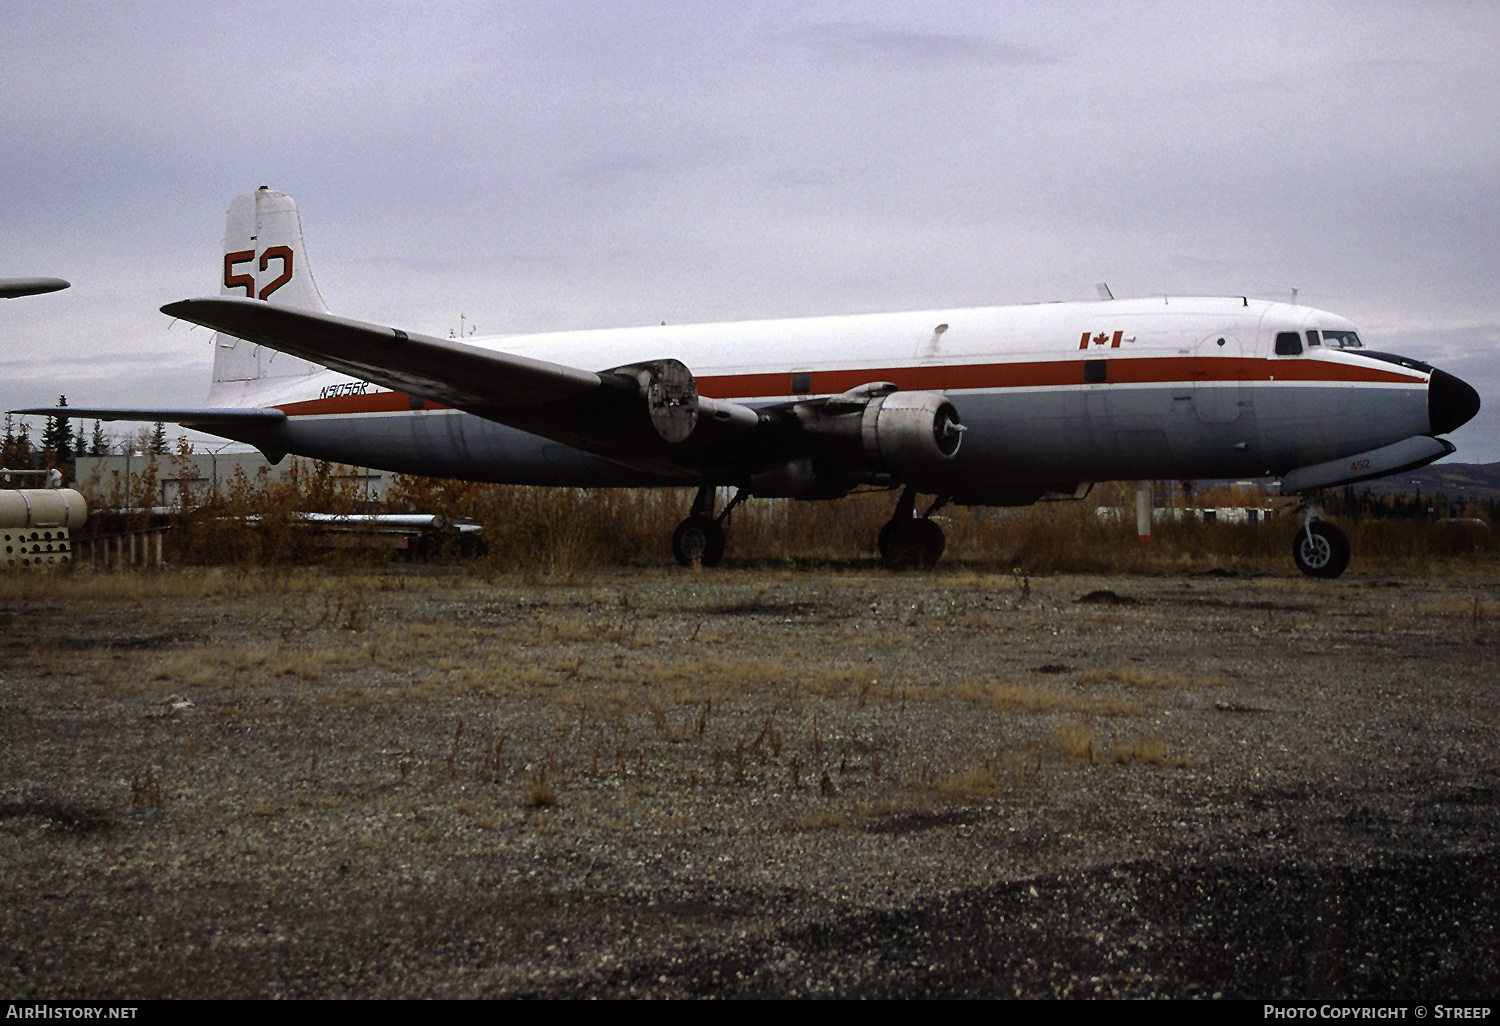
{"x": 552, "y": 165}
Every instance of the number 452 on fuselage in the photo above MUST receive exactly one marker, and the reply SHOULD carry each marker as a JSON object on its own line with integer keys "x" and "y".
{"x": 990, "y": 406}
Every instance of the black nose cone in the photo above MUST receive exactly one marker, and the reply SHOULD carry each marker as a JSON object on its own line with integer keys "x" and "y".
{"x": 1451, "y": 402}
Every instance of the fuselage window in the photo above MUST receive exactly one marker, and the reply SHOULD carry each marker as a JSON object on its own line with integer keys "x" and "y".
{"x": 1312, "y": 337}
{"x": 1288, "y": 343}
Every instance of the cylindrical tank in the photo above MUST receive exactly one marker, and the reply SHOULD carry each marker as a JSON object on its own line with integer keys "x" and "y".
{"x": 42, "y": 507}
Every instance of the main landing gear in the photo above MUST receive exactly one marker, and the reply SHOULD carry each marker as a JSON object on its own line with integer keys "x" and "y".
{"x": 910, "y": 542}
{"x": 1320, "y": 549}
{"x": 700, "y": 538}
{"x": 907, "y": 541}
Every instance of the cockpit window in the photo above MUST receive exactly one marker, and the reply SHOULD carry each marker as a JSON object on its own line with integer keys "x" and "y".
{"x": 1342, "y": 339}
{"x": 1312, "y": 337}
{"x": 1288, "y": 343}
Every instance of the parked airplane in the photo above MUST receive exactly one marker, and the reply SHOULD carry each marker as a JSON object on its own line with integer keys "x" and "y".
{"x": 995, "y": 406}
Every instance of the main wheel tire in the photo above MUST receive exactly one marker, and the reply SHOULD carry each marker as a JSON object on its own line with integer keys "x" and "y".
{"x": 930, "y": 537}
{"x": 698, "y": 539}
{"x": 911, "y": 544}
{"x": 1321, "y": 550}
{"x": 899, "y": 545}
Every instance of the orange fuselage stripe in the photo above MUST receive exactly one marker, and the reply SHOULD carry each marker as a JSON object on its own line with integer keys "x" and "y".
{"x": 948, "y": 378}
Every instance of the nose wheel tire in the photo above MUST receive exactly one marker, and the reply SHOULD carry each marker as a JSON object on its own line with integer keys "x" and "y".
{"x": 698, "y": 539}
{"x": 1321, "y": 550}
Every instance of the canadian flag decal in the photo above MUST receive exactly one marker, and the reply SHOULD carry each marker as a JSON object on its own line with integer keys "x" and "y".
{"x": 1100, "y": 340}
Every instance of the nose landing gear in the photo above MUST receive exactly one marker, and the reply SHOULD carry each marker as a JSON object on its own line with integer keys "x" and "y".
{"x": 1320, "y": 549}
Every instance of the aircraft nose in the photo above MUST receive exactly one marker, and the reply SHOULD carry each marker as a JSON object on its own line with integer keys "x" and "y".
{"x": 1451, "y": 402}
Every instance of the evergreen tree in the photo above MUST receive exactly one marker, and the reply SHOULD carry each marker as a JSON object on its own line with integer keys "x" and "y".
{"x": 98, "y": 444}
{"x": 18, "y": 452}
{"x": 57, "y": 437}
{"x": 158, "y": 446}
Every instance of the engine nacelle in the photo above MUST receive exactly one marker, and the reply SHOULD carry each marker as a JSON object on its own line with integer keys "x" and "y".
{"x": 909, "y": 434}
{"x": 870, "y": 435}
{"x": 670, "y": 393}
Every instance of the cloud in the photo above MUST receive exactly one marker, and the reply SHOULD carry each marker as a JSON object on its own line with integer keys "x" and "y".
{"x": 909, "y": 49}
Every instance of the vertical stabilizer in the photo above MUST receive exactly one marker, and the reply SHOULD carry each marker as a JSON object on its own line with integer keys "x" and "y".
{"x": 265, "y": 258}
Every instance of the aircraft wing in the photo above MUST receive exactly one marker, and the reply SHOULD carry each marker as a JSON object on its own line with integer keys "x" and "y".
{"x": 10, "y": 288}
{"x": 447, "y": 372}
{"x": 644, "y": 411}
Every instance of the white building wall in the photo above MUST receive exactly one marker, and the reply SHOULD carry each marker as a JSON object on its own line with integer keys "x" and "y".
{"x": 104, "y": 476}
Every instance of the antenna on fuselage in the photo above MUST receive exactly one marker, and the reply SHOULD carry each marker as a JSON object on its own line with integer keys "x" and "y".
{"x": 1104, "y": 292}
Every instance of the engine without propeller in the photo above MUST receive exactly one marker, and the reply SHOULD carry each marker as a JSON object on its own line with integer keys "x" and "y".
{"x": 910, "y": 433}
{"x": 873, "y": 434}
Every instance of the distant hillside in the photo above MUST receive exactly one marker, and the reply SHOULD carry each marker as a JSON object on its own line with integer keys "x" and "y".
{"x": 1454, "y": 480}
{"x": 1463, "y": 481}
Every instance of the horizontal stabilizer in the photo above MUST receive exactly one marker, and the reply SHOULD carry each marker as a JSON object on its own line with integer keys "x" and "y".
{"x": 187, "y": 416}
{"x": 1409, "y": 454}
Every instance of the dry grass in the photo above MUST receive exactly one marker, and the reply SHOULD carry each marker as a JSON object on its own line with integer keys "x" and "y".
{"x": 1131, "y": 677}
{"x": 1033, "y": 699}
{"x": 1076, "y": 742}
{"x": 1474, "y": 610}
{"x": 562, "y": 533}
{"x": 822, "y": 819}
{"x": 1149, "y": 750}
{"x": 538, "y": 793}
{"x": 971, "y": 783}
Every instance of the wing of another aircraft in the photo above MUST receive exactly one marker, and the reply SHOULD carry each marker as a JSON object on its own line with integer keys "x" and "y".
{"x": 11, "y": 288}
{"x": 644, "y": 411}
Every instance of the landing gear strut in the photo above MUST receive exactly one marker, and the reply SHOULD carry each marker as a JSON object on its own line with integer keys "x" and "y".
{"x": 700, "y": 538}
{"x": 1320, "y": 549}
{"x": 909, "y": 542}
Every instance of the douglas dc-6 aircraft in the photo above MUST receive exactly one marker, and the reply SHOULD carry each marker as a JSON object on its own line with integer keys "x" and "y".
{"x": 995, "y": 406}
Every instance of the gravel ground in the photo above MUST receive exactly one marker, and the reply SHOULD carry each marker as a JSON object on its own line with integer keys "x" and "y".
{"x": 749, "y": 783}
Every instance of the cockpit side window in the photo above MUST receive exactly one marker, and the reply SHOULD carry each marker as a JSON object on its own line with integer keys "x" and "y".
{"x": 1288, "y": 343}
{"x": 1342, "y": 339}
{"x": 1312, "y": 337}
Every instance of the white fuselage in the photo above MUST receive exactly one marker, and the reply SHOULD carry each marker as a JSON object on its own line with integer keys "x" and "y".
{"x": 1050, "y": 394}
